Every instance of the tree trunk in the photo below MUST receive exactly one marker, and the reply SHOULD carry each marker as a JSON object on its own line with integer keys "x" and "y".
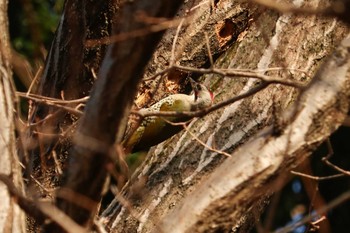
{"x": 69, "y": 73}
{"x": 192, "y": 188}
{"x": 285, "y": 90}
{"x": 102, "y": 122}
{"x": 12, "y": 218}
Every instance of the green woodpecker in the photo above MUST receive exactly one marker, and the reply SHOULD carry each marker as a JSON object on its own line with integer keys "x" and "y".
{"x": 153, "y": 130}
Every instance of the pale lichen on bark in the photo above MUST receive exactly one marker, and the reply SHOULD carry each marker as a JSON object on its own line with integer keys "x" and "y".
{"x": 11, "y": 217}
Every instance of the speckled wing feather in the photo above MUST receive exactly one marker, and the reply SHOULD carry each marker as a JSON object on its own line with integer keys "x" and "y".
{"x": 154, "y": 130}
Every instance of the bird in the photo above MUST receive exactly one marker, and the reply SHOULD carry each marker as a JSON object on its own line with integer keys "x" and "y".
{"x": 155, "y": 129}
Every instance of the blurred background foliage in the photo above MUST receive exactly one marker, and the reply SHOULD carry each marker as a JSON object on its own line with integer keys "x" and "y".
{"x": 32, "y": 24}
{"x": 32, "y": 27}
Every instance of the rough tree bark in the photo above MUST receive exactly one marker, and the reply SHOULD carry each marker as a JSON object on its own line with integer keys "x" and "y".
{"x": 69, "y": 73}
{"x": 191, "y": 188}
{"x": 102, "y": 122}
{"x": 12, "y": 219}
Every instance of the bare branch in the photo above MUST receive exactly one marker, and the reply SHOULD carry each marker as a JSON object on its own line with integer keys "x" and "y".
{"x": 203, "y": 144}
{"x": 135, "y": 33}
{"x": 40, "y": 211}
{"x": 35, "y": 79}
{"x": 333, "y": 204}
{"x": 55, "y": 102}
{"x": 104, "y": 119}
{"x": 260, "y": 159}
{"x": 184, "y": 125}
{"x": 345, "y": 172}
{"x": 317, "y": 178}
{"x": 205, "y": 111}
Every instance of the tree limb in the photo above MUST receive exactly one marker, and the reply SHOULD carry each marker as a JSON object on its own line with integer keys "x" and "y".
{"x": 110, "y": 101}
{"x": 260, "y": 159}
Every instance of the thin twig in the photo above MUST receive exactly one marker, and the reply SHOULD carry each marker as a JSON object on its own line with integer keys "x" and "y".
{"x": 184, "y": 125}
{"x": 52, "y": 100}
{"x": 41, "y": 211}
{"x": 204, "y": 144}
{"x": 199, "y": 5}
{"x": 48, "y": 117}
{"x": 56, "y": 102}
{"x": 205, "y": 111}
{"x": 269, "y": 69}
{"x": 60, "y": 218}
{"x": 329, "y": 148}
{"x": 172, "y": 57}
{"x": 136, "y": 33}
{"x": 267, "y": 80}
{"x": 317, "y": 178}
{"x": 345, "y": 172}
{"x": 314, "y": 224}
{"x": 336, "y": 202}
{"x": 99, "y": 226}
{"x": 329, "y": 155}
{"x": 76, "y": 198}
{"x": 248, "y": 74}
{"x": 49, "y": 192}
{"x": 57, "y": 163}
{"x": 160, "y": 73}
{"x": 37, "y": 75}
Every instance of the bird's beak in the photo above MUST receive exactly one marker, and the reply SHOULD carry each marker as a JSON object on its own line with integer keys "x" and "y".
{"x": 194, "y": 85}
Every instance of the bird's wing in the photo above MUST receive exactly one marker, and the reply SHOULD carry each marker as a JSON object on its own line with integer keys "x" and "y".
{"x": 175, "y": 105}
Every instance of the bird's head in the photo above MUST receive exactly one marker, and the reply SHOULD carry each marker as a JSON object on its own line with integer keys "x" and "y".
{"x": 202, "y": 96}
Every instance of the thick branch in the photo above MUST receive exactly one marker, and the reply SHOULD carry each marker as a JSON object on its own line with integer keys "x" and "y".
{"x": 174, "y": 170}
{"x": 267, "y": 155}
{"x": 110, "y": 101}
{"x": 12, "y": 219}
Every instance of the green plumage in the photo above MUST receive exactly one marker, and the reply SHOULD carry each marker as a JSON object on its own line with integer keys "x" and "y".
{"x": 154, "y": 130}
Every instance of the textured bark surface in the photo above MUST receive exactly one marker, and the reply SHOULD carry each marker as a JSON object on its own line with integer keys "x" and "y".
{"x": 11, "y": 217}
{"x": 182, "y": 186}
{"x": 69, "y": 73}
{"x": 221, "y": 25}
{"x": 105, "y": 114}
{"x": 190, "y": 188}
{"x": 241, "y": 180}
